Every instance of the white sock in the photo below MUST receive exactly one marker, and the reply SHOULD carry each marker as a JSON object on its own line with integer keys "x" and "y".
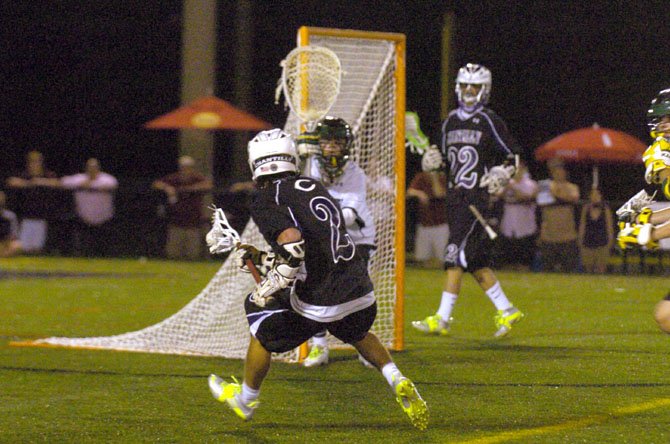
{"x": 248, "y": 394}
{"x": 446, "y": 305}
{"x": 391, "y": 373}
{"x": 497, "y": 296}
{"x": 320, "y": 339}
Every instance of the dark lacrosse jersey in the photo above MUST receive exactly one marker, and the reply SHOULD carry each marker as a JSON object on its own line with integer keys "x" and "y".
{"x": 336, "y": 282}
{"x": 473, "y": 143}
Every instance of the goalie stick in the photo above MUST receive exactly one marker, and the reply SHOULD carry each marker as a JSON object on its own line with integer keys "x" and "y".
{"x": 492, "y": 234}
{"x": 222, "y": 238}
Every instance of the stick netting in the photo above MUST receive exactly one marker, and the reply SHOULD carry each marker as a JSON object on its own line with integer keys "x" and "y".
{"x": 214, "y": 323}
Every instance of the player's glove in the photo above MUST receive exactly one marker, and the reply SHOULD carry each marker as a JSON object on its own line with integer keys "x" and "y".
{"x": 629, "y": 211}
{"x": 495, "y": 179}
{"x": 432, "y": 159}
{"x": 307, "y": 144}
{"x": 280, "y": 276}
{"x": 637, "y": 234}
{"x": 262, "y": 260}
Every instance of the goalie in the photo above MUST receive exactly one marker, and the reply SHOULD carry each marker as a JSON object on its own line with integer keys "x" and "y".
{"x": 639, "y": 225}
{"x": 480, "y": 157}
{"x": 317, "y": 279}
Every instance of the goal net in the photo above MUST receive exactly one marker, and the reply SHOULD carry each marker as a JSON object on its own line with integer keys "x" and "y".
{"x": 372, "y": 100}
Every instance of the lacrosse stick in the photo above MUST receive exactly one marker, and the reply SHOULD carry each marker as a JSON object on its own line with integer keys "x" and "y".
{"x": 492, "y": 234}
{"x": 223, "y": 238}
{"x": 415, "y": 139}
{"x": 629, "y": 211}
{"x": 311, "y": 77}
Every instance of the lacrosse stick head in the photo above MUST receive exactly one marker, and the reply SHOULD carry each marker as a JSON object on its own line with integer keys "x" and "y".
{"x": 222, "y": 237}
{"x": 415, "y": 139}
{"x": 311, "y": 77}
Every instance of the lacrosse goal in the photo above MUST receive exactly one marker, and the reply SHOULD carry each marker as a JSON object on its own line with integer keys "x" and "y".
{"x": 372, "y": 100}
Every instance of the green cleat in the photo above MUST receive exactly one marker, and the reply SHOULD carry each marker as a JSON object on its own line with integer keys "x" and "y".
{"x": 433, "y": 325}
{"x": 317, "y": 356}
{"x": 228, "y": 392}
{"x": 504, "y": 320}
{"x": 412, "y": 403}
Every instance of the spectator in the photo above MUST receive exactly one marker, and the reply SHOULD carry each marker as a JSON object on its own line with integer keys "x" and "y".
{"x": 518, "y": 225}
{"x": 94, "y": 206}
{"x": 10, "y": 244}
{"x": 184, "y": 190}
{"x": 28, "y": 187}
{"x": 557, "y": 198}
{"x": 596, "y": 233}
{"x": 432, "y": 230}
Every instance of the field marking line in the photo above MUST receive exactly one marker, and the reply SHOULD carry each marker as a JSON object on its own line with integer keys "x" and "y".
{"x": 568, "y": 425}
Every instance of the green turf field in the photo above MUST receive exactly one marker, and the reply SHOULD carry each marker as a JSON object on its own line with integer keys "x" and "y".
{"x": 587, "y": 365}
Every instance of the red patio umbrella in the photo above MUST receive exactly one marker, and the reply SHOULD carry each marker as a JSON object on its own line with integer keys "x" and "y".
{"x": 209, "y": 113}
{"x": 593, "y": 145}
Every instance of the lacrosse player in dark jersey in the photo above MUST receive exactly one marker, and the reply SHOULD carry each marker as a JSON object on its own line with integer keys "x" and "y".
{"x": 313, "y": 278}
{"x": 480, "y": 158}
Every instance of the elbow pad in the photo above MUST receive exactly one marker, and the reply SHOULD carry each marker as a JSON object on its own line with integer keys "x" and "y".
{"x": 349, "y": 216}
{"x": 293, "y": 253}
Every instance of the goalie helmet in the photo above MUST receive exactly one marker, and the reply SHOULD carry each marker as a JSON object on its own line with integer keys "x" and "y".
{"x": 470, "y": 96}
{"x": 272, "y": 152}
{"x": 335, "y": 138}
{"x": 658, "y": 110}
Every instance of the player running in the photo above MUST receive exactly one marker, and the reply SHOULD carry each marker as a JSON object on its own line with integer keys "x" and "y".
{"x": 639, "y": 225}
{"x": 479, "y": 154}
{"x": 347, "y": 183}
{"x": 314, "y": 279}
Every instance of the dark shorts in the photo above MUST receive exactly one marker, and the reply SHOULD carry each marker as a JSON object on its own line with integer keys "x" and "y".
{"x": 279, "y": 329}
{"x": 469, "y": 246}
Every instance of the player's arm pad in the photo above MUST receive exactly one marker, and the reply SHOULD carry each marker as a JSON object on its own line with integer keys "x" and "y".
{"x": 282, "y": 274}
{"x": 352, "y": 219}
{"x": 307, "y": 143}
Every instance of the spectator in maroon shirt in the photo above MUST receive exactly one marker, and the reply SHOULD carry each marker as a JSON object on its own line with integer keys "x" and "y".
{"x": 184, "y": 190}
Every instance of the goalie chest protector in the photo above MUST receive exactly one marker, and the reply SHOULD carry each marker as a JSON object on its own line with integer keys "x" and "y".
{"x": 336, "y": 273}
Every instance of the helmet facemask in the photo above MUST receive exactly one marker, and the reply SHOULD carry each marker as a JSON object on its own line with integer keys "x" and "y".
{"x": 473, "y": 86}
{"x": 333, "y": 157}
{"x": 335, "y": 138}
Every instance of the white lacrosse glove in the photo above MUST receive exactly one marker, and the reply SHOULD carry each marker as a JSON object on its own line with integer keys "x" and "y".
{"x": 629, "y": 211}
{"x": 279, "y": 277}
{"x": 432, "y": 159}
{"x": 495, "y": 179}
{"x": 262, "y": 260}
{"x": 307, "y": 144}
{"x": 221, "y": 238}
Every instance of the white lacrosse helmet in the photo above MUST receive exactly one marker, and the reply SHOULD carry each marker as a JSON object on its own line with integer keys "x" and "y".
{"x": 473, "y": 74}
{"x": 272, "y": 152}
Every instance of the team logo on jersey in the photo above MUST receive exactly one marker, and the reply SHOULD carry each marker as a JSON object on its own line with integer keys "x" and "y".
{"x": 468, "y": 136}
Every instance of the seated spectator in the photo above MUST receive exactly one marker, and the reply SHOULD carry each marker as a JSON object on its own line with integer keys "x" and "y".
{"x": 596, "y": 233}
{"x": 557, "y": 198}
{"x": 518, "y": 226}
{"x": 184, "y": 190}
{"x": 94, "y": 207}
{"x": 432, "y": 231}
{"x": 28, "y": 186}
{"x": 10, "y": 245}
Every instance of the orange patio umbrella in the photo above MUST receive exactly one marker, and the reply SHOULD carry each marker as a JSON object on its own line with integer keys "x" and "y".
{"x": 593, "y": 145}
{"x": 208, "y": 113}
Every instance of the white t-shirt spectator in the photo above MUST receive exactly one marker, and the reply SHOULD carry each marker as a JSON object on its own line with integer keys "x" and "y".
{"x": 93, "y": 198}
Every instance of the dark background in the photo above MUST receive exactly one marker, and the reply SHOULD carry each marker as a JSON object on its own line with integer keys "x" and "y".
{"x": 80, "y": 78}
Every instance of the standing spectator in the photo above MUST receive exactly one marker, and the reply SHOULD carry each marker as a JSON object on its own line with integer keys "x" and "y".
{"x": 518, "y": 226}
{"x": 10, "y": 244}
{"x": 432, "y": 230}
{"x": 557, "y": 198}
{"x": 94, "y": 206}
{"x": 596, "y": 233}
{"x": 477, "y": 147}
{"x": 29, "y": 187}
{"x": 184, "y": 190}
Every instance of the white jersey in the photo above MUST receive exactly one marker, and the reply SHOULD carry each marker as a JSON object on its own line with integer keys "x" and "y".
{"x": 350, "y": 191}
